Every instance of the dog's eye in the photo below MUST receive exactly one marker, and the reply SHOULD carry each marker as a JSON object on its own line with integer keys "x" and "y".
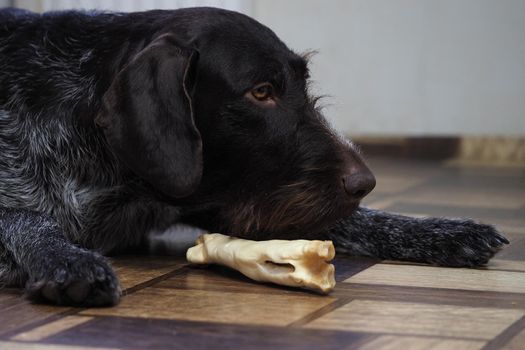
{"x": 263, "y": 92}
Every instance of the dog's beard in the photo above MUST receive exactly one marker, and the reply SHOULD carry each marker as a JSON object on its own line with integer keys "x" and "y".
{"x": 295, "y": 211}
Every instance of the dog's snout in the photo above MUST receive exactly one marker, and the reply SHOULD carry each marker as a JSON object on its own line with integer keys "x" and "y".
{"x": 358, "y": 184}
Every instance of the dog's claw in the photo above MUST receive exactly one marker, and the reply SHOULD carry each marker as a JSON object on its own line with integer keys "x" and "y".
{"x": 502, "y": 239}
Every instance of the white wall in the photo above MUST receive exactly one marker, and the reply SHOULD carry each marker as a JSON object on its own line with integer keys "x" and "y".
{"x": 130, "y": 5}
{"x": 412, "y": 66}
{"x": 140, "y": 5}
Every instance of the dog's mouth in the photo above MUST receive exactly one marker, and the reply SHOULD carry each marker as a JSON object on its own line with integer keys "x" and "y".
{"x": 252, "y": 222}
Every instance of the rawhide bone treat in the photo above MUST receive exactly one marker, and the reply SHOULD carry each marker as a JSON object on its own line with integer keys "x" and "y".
{"x": 297, "y": 263}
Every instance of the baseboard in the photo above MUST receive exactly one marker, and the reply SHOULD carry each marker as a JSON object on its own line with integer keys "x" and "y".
{"x": 497, "y": 151}
{"x": 489, "y": 150}
{"x": 435, "y": 148}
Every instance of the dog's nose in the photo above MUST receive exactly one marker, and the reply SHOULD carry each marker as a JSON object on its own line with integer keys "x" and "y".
{"x": 359, "y": 183}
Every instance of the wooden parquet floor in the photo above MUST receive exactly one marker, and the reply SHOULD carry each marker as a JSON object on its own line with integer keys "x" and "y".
{"x": 376, "y": 304}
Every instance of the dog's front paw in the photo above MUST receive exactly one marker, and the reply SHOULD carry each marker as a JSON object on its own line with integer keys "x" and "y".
{"x": 467, "y": 243}
{"x": 82, "y": 279}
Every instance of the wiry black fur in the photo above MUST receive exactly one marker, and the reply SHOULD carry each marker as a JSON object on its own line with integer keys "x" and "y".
{"x": 113, "y": 125}
{"x": 437, "y": 241}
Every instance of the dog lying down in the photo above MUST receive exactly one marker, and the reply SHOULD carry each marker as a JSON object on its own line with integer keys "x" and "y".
{"x": 298, "y": 263}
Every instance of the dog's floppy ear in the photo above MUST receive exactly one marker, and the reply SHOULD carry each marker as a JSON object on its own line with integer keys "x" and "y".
{"x": 148, "y": 120}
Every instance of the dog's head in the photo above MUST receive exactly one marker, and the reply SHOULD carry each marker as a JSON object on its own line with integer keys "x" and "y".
{"x": 215, "y": 113}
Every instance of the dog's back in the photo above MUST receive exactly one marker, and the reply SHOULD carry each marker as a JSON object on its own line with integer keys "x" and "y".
{"x": 48, "y": 61}
{"x": 52, "y": 158}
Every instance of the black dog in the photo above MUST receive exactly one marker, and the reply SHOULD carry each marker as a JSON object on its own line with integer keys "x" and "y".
{"x": 112, "y": 125}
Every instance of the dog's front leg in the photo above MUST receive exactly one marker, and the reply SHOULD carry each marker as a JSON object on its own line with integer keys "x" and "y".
{"x": 446, "y": 242}
{"x": 55, "y": 270}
